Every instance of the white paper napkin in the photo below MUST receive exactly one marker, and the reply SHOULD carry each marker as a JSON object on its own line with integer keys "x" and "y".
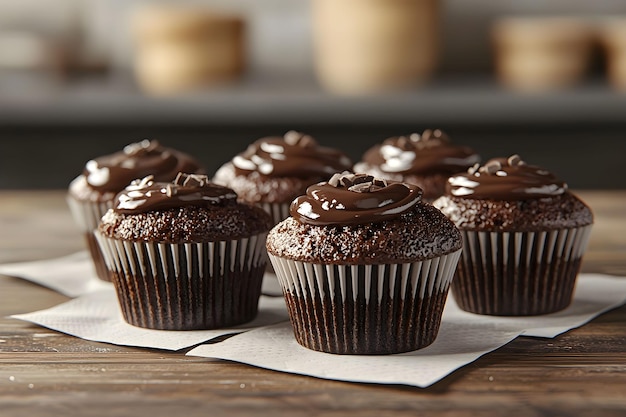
{"x": 463, "y": 338}
{"x": 74, "y": 275}
{"x": 71, "y": 275}
{"x": 96, "y": 316}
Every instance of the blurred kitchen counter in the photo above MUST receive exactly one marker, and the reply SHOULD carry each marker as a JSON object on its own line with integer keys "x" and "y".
{"x": 467, "y": 100}
{"x": 48, "y": 129}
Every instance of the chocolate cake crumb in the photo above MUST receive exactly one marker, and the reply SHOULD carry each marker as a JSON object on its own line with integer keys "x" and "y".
{"x": 420, "y": 234}
{"x": 559, "y": 212}
{"x": 187, "y": 224}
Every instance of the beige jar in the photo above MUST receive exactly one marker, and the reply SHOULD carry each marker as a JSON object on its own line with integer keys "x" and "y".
{"x": 541, "y": 53}
{"x": 180, "y": 49}
{"x": 368, "y": 46}
{"x": 612, "y": 34}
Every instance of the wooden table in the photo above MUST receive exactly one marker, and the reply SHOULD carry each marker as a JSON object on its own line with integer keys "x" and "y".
{"x": 44, "y": 373}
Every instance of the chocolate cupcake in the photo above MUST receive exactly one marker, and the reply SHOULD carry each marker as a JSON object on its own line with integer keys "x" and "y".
{"x": 427, "y": 160}
{"x": 273, "y": 171}
{"x": 184, "y": 255}
{"x": 91, "y": 194}
{"x": 524, "y": 237}
{"x": 364, "y": 265}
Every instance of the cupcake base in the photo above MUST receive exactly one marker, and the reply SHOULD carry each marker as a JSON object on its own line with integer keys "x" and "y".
{"x": 87, "y": 214}
{"x": 278, "y": 211}
{"x": 189, "y": 286}
{"x": 366, "y": 309}
{"x": 519, "y": 274}
{"x": 360, "y": 328}
{"x": 97, "y": 257}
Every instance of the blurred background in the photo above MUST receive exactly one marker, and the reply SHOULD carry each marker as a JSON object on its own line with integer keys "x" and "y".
{"x": 82, "y": 78}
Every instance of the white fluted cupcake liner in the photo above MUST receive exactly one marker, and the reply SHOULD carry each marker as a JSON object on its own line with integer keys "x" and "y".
{"x": 186, "y": 286}
{"x": 87, "y": 215}
{"x": 278, "y": 211}
{"x": 97, "y": 257}
{"x": 366, "y": 309}
{"x": 520, "y": 273}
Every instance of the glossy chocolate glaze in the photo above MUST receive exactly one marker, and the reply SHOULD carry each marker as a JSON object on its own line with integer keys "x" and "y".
{"x": 111, "y": 173}
{"x": 188, "y": 210}
{"x": 417, "y": 231}
{"x": 505, "y": 179}
{"x": 506, "y": 195}
{"x": 294, "y": 155}
{"x": 430, "y": 152}
{"x": 354, "y": 199}
{"x": 186, "y": 190}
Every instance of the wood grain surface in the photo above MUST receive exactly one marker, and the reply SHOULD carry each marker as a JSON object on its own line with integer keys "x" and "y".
{"x": 44, "y": 373}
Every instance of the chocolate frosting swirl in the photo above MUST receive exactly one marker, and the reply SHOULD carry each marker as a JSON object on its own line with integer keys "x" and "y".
{"x": 294, "y": 155}
{"x": 421, "y": 154}
{"x": 115, "y": 171}
{"x": 186, "y": 190}
{"x": 505, "y": 179}
{"x": 354, "y": 199}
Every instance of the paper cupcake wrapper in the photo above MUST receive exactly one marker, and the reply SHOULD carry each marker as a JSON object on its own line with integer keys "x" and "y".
{"x": 97, "y": 257}
{"x": 278, "y": 211}
{"x": 521, "y": 273}
{"x": 366, "y": 309}
{"x": 186, "y": 286}
{"x": 87, "y": 215}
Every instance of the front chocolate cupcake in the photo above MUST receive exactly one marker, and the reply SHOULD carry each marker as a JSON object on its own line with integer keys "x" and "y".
{"x": 273, "y": 171}
{"x": 91, "y": 194}
{"x": 184, "y": 255}
{"x": 524, "y": 238}
{"x": 426, "y": 160}
{"x": 364, "y": 265}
